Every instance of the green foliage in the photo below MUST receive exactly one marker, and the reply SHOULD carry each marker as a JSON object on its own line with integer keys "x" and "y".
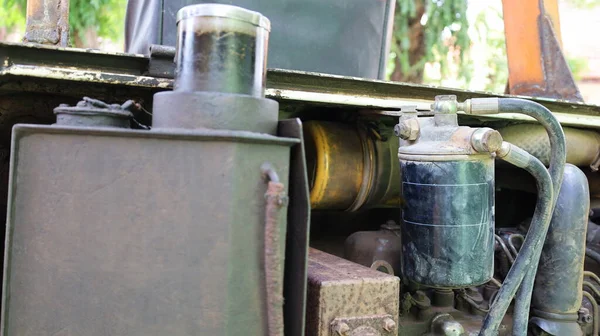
{"x": 12, "y": 13}
{"x": 578, "y": 66}
{"x": 494, "y": 42}
{"x": 107, "y": 16}
{"x": 584, "y": 3}
{"x": 445, "y": 29}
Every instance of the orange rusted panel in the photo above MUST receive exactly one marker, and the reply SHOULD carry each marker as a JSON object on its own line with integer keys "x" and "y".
{"x": 536, "y": 64}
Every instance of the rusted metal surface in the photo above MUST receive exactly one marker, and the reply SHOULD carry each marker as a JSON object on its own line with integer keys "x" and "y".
{"x": 340, "y": 291}
{"x": 94, "y": 113}
{"x": 537, "y": 66}
{"x": 47, "y": 22}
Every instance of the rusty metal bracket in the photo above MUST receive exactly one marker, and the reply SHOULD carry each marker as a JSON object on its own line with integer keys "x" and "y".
{"x": 537, "y": 66}
{"x": 47, "y": 22}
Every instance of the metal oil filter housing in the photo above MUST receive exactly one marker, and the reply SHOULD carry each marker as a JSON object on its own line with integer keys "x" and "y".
{"x": 448, "y": 211}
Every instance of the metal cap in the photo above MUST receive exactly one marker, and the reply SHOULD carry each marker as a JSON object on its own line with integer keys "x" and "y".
{"x": 224, "y": 11}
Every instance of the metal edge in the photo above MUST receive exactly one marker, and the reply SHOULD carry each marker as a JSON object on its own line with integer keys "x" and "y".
{"x": 296, "y": 259}
{"x": 168, "y": 134}
{"x": 4, "y": 313}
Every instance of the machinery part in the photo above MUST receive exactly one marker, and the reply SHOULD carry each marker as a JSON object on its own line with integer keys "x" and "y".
{"x": 374, "y": 248}
{"x": 348, "y": 169}
{"x": 536, "y": 64}
{"x": 534, "y": 240}
{"x": 594, "y": 304}
{"x": 94, "y": 113}
{"x": 446, "y": 325}
{"x": 345, "y": 298}
{"x": 221, "y": 48}
{"x": 559, "y": 276}
{"x": 296, "y": 251}
{"x": 162, "y": 61}
{"x": 221, "y": 67}
{"x": 592, "y": 254}
{"x": 138, "y": 229}
{"x": 169, "y": 254}
{"x": 583, "y": 146}
{"x": 448, "y": 192}
{"x": 47, "y": 22}
{"x": 557, "y": 164}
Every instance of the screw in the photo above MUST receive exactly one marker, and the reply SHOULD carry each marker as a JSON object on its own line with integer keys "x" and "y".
{"x": 341, "y": 328}
{"x": 388, "y": 324}
{"x": 407, "y": 129}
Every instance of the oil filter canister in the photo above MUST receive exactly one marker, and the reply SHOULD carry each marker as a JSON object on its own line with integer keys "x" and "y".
{"x": 448, "y": 192}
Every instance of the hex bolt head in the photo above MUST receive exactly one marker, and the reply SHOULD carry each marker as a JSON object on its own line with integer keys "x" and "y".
{"x": 389, "y": 325}
{"x": 486, "y": 140}
{"x": 407, "y": 129}
{"x": 341, "y": 328}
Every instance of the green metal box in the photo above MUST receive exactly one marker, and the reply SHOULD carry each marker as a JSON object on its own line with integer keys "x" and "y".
{"x": 123, "y": 232}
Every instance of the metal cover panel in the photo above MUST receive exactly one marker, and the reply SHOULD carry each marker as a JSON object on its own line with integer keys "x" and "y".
{"x": 135, "y": 233}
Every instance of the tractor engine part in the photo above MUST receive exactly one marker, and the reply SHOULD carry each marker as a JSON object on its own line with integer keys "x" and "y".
{"x": 348, "y": 168}
{"x": 345, "y": 298}
{"x": 448, "y": 190}
{"x": 380, "y": 250}
{"x": 557, "y": 291}
{"x": 179, "y": 230}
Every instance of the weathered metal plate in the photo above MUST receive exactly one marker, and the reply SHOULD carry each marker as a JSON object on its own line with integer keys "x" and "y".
{"x": 345, "y": 292}
{"x": 120, "y": 232}
{"x": 296, "y": 250}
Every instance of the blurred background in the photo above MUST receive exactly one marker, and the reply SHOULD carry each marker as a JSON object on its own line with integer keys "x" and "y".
{"x": 452, "y": 43}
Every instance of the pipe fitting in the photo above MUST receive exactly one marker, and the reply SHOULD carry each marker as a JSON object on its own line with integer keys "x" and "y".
{"x": 486, "y": 140}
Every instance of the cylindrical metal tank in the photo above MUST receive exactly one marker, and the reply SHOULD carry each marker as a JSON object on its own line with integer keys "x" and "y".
{"x": 448, "y": 212}
{"x": 221, "y": 48}
{"x": 349, "y": 169}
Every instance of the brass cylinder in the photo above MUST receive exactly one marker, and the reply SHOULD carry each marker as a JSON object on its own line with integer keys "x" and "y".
{"x": 349, "y": 168}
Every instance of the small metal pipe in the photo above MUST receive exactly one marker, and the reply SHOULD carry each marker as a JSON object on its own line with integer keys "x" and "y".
{"x": 592, "y": 275}
{"x": 504, "y": 248}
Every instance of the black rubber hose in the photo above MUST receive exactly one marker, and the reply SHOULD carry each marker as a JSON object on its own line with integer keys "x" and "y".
{"x": 558, "y": 157}
{"x": 595, "y": 256}
{"x": 533, "y": 241}
{"x": 557, "y": 166}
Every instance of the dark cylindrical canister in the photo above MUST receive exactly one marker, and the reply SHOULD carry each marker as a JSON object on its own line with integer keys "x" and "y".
{"x": 221, "y": 48}
{"x": 448, "y": 219}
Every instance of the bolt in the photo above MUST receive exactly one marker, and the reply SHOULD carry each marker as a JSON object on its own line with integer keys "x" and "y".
{"x": 486, "y": 140}
{"x": 388, "y": 324}
{"x": 341, "y": 328}
{"x": 407, "y": 129}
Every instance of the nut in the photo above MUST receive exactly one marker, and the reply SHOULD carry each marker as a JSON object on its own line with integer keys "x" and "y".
{"x": 389, "y": 325}
{"x": 340, "y": 328}
{"x": 407, "y": 129}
